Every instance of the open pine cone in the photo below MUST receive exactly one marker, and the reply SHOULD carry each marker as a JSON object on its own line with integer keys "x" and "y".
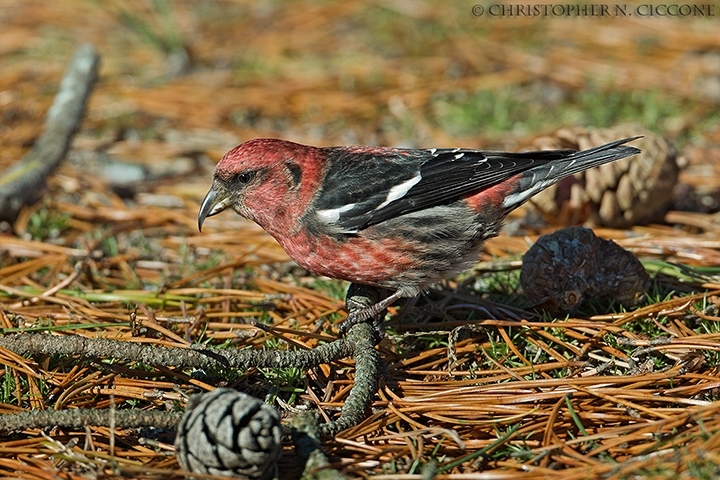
{"x": 620, "y": 194}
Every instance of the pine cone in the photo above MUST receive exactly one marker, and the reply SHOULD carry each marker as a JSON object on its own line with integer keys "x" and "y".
{"x": 620, "y": 194}
{"x": 572, "y": 265}
{"x": 229, "y": 433}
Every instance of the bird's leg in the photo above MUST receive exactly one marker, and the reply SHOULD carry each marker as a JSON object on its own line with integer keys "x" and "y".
{"x": 364, "y": 303}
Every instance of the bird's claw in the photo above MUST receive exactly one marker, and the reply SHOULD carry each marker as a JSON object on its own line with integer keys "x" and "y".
{"x": 364, "y": 304}
{"x": 360, "y": 316}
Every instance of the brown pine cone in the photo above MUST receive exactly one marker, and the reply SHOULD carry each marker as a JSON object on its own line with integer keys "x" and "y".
{"x": 229, "y": 433}
{"x": 620, "y": 194}
{"x": 572, "y": 265}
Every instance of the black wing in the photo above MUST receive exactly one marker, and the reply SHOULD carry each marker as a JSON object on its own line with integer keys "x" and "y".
{"x": 363, "y": 188}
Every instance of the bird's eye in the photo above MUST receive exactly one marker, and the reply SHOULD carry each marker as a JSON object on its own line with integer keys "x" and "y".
{"x": 244, "y": 177}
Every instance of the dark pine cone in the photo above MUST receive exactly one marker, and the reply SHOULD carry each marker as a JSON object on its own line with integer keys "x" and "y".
{"x": 229, "y": 433}
{"x": 571, "y": 265}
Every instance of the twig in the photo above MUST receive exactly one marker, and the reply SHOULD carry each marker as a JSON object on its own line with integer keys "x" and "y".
{"x": 307, "y": 446}
{"x": 368, "y": 364}
{"x": 195, "y": 357}
{"x": 19, "y": 185}
{"x": 81, "y": 417}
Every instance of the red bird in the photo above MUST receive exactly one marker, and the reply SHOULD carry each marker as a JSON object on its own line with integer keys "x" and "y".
{"x": 395, "y": 218}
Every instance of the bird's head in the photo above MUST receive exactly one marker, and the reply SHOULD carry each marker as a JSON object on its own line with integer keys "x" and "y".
{"x": 259, "y": 179}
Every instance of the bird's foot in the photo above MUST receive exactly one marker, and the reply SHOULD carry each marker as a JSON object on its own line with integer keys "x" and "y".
{"x": 365, "y": 303}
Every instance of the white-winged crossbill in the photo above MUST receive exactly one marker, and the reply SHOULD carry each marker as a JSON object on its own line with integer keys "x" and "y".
{"x": 396, "y": 218}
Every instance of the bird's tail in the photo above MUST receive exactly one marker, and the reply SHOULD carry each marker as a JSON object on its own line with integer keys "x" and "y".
{"x": 539, "y": 178}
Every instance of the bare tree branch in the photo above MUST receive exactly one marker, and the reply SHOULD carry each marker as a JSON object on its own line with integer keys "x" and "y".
{"x": 21, "y": 184}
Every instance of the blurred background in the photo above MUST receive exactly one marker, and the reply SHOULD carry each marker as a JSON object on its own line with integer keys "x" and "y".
{"x": 183, "y": 81}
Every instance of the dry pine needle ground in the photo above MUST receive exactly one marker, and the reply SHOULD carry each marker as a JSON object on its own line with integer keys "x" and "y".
{"x": 473, "y": 381}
